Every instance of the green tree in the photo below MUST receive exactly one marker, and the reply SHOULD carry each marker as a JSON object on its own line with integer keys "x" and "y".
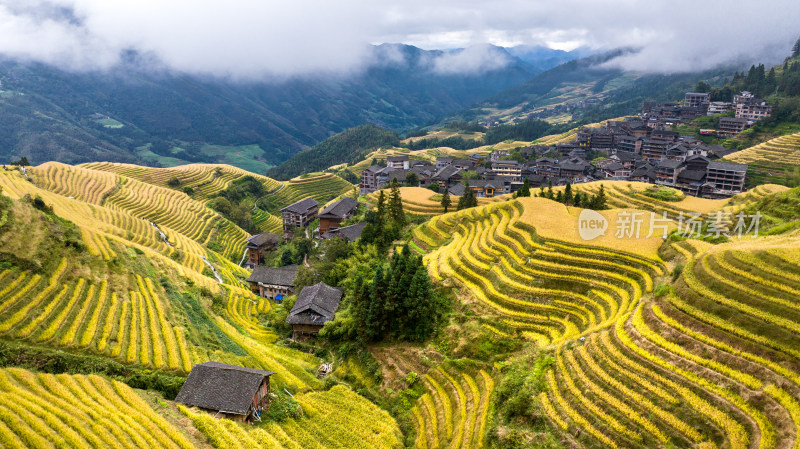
{"x": 434, "y": 187}
{"x": 568, "y": 194}
{"x": 702, "y": 87}
{"x": 446, "y": 201}
{"x": 525, "y": 190}
{"x": 598, "y": 202}
{"x": 380, "y": 217}
{"x": 796, "y": 49}
{"x": 396, "y": 213}
{"x": 467, "y": 200}
{"x": 578, "y": 200}
{"x": 286, "y": 257}
{"x": 412, "y": 180}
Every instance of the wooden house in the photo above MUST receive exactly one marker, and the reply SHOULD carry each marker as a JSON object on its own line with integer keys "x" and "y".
{"x": 228, "y": 391}
{"x": 257, "y": 246}
{"x": 273, "y": 283}
{"x": 350, "y": 233}
{"x": 316, "y": 305}
{"x": 332, "y": 216}
{"x": 299, "y": 214}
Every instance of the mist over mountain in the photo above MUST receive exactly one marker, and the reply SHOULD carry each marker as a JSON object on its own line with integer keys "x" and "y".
{"x": 54, "y": 114}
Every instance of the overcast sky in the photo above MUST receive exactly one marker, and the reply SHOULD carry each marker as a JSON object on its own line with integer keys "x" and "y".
{"x": 263, "y": 38}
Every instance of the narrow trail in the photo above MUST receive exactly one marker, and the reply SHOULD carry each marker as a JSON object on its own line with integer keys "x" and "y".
{"x": 163, "y": 236}
{"x": 213, "y": 270}
{"x": 244, "y": 256}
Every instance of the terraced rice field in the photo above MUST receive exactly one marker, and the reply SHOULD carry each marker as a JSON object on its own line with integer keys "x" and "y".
{"x": 133, "y": 327}
{"x": 322, "y": 187}
{"x": 334, "y": 418}
{"x": 425, "y": 202}
{"x": 266, "y": 222}
{"x": 454, "y": 410}
{"x": 714, "y": 364}
{"x": 46, "y": 411}
{"x": 205, "y": 179}
{"x": 548, "y": 289}
{"x": 624, "y": 194}
{"x": 130, "y": 317}
{"x": 773, "y": 161}
{"x": 173, "y": 210}
{"x": 122, "y": 213}
{"x": 138, "y": 326}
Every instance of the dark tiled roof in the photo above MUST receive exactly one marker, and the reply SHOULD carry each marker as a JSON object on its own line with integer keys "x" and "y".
{"x": 397, "y": 158}
{"x": 446, "y": 172}
{"x": 350, "y": 233}
{"x": 316, "y": 305}
{"x": 457, "y": 190}
{"x": 263, "y": 239}
{"x": 669, "y": 163}
{"x": 274, "y": 276}
{"x": 697, "y": 157}
{"x": 221, "y": 387}
{"x": 717, "y": 165}
{"x": 575, "y": 164}
{"x": 374, "y": 168}
{"x": 625, "y": 156}
{"x": 691, "y": 175}
{"x": 340, "y": 208}
{"x": 301, "y": 206}
{"x": 720, "y": 151}
{"x": 614, "y": 166}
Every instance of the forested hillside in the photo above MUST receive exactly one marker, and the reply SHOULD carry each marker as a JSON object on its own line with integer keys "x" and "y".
{"x": 142, "y": 114}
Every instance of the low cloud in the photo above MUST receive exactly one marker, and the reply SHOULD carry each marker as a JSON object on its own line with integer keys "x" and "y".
{"x": 475, "y": 59}
{"x": 257, "y": 39}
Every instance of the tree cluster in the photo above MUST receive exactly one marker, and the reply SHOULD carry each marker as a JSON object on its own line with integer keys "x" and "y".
{"x": 399, "y": 302}
{"x": 579, "y": 199}
{"x": 468, "y": 199}
{"x": 762, "y": 82}
{"x": 385, "y": 223}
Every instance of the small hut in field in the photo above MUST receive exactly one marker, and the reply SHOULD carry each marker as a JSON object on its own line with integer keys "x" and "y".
{"x": 228, "y": 391}
{"x": 316, "y": 305}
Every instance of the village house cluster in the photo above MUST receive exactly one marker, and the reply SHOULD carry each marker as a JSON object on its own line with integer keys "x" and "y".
{"x": 641, "y": 148}
{"x": 315, "y": 304}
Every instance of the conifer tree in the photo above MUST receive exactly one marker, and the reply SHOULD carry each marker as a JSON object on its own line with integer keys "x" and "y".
{"x": 467, "y": 200}
{"x": 599, "y": 201}
{"x": 446, "y": 201}
{"x": 559, "y": 197}
{"x": 526, "y": 188}
{"x": 396, "y": 213}
{"x": 568, "y": 194}
{"x": 578, "y": 200}
{"x": 796, "y": 49}
{"x": 380, "y": 218}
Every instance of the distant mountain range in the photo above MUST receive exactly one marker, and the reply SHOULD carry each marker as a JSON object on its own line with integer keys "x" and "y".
{"x": 141, "y": 115}
{"x": 589, "y": 88}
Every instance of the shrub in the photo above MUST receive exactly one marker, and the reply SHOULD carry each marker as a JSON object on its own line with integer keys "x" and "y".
{"x": 662, "y": 290}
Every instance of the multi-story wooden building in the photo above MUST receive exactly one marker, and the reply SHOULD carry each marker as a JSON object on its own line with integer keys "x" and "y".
{"x": 273, "y": 283}
{"x": 257, "y": 247}
{"x": 299, "y": 214}
{"x": 332, "y": 216}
